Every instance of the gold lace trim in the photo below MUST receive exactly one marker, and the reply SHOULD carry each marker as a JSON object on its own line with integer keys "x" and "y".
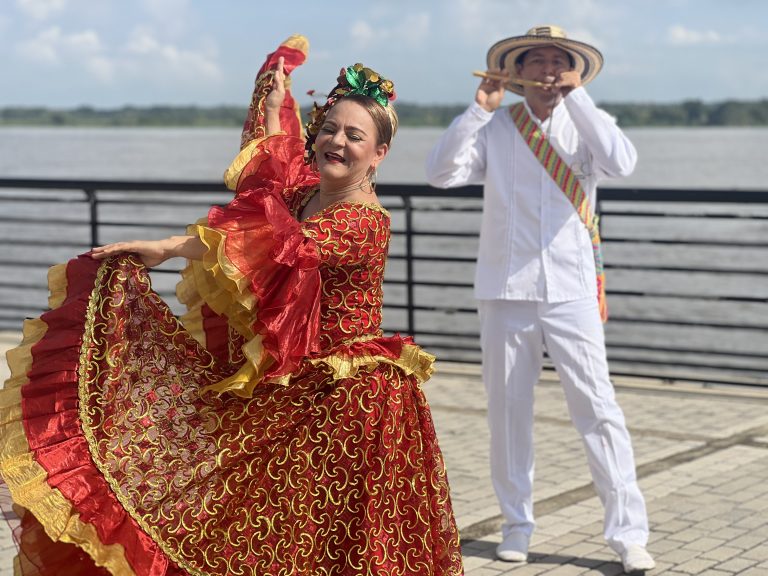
{"x": 412, "y": 360}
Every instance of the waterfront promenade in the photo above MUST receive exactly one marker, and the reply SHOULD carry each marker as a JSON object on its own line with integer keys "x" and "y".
{"x": 702, "y": 456}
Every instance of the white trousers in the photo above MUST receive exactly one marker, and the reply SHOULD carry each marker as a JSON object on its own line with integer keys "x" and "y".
{"x": 513, "y": 335}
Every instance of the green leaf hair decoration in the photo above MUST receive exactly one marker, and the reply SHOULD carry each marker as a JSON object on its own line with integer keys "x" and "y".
{"x": 366, "y": 82}
{"x": 355, "y": 80}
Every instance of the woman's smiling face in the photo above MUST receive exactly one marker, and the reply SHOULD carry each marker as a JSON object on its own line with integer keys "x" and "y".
{"x": 348, "y": 145}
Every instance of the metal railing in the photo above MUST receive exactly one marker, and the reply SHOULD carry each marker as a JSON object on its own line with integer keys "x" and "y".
{"x": 687, "y": 269}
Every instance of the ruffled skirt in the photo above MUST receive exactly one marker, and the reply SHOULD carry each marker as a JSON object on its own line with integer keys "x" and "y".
{"x": 108, "y": 442}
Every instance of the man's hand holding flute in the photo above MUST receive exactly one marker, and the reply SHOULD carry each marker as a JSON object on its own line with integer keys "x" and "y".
{"x": 491, "y": 89}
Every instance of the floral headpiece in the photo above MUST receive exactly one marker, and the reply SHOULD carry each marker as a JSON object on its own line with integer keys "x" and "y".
{"x": 355, "y": 80}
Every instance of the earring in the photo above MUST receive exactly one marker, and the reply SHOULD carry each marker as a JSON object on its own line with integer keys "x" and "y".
{"x": 372, "y": 179}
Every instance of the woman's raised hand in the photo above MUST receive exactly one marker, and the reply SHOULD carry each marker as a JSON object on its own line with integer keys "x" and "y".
{"x": 274, "y": 100}
{"x": 277, "y": 95}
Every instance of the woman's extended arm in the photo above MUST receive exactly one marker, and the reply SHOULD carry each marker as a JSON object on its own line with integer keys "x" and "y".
{"x": 155, "y": 252}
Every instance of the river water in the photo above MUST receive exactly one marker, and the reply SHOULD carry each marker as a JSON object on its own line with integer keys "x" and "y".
{"x": 668, "y": 157}
{"x": 691, "y": 158}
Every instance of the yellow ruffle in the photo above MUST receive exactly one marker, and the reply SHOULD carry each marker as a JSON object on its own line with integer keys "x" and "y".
{"x": 25, "y": 478}
{"x": 297, "y": 42}
{"x": 57, "y": 285}
{"x": 251, "y": 150}
{"x": 242, "y": 382}
{"x": 412, "y": 361}
{"x": 216, "y": 281}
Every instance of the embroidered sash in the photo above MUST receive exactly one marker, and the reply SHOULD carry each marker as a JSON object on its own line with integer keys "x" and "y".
{"x": 569, "y": 184}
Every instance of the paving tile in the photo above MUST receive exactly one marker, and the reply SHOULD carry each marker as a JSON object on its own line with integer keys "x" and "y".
{"x": 736, "y": 565}
{"x": 722, "y": 553}
{"x": 695, "y": 565}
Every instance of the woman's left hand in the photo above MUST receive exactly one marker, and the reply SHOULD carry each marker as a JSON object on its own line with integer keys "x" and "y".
{"x": 155, "y": 252}
{"x": 150, "y": 252}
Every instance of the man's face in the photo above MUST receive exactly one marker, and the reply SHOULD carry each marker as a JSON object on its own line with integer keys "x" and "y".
{"x": 544, "y": 64}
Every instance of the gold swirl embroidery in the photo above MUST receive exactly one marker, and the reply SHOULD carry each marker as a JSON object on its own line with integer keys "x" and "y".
{"x": 254, "y": 129}
{"x": 352, "y": 240}
{"x": 321, "y": 477}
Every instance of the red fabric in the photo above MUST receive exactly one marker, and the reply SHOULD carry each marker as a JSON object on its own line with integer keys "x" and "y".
{"x": 324, "y": 475}
{"x": 38, "y": 555}
{"x": 306, "y": 471}
{"x": 51, "y": 421}
{"x": 289, "y": 121}
{"x": 253, "y": 127}
{"x": 278, "y": 165}
{"x": 266, "y": 244}
{"x": 216, "y": 332}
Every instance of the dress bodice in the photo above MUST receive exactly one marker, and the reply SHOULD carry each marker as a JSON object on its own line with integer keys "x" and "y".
{"x": 352, "y": 240}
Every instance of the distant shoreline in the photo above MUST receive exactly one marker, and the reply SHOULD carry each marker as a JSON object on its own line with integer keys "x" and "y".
{"x": 687, "y": 113}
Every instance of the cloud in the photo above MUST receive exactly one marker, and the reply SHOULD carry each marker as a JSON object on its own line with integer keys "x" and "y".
{"x": 415, "y": 29}
{"x": 681, "y": 36}
{"x": 101, "y": 68}
{"x": 172, "y": 16}
{"x": 143, "y": 42}
{"x": 412, "y": 31}
{"x": 480, "y": 23}
{"x": 41, "y": 9}
{"x": 145, "y": 57}
{"x": 472, "y": 20}
{"x": 584, "y": 35}
{"x": 82, "y": 50}
{"x": 165, "y": 9}
{"x": 363, "y": 33}
{"x": 52, "y": 45}
{"x": 144, "y": 50}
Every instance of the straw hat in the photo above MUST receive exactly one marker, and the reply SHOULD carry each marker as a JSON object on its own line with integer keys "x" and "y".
{"x": 502, "y": 56}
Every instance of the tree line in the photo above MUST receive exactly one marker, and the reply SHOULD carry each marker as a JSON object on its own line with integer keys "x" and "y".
{"x": 687, "y": 113}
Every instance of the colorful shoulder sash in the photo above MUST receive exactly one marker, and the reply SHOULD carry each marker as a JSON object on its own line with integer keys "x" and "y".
{"x": 565, "y": 179}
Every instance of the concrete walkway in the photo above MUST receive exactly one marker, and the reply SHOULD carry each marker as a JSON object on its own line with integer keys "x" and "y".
{"x": 702, "y": 456}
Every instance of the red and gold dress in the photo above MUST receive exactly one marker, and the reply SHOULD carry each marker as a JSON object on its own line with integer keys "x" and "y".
{"x": 272, "y": 431}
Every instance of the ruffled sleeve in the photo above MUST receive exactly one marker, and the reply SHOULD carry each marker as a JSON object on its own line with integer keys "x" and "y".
{"x": 260, "y": 271}
{"x": 275, "y": 162}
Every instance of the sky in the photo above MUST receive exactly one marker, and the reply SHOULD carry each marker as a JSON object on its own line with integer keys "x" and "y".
{"x": 110, "y": 53}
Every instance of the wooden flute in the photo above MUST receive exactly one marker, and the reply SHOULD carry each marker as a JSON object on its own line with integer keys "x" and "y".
{"x": 496, "y": 76}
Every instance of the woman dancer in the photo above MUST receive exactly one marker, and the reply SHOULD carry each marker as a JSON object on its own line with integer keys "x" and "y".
{"x": 276, "y": 431}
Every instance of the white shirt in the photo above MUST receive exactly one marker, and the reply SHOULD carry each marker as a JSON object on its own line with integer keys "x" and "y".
{"x": 533, "y": 246}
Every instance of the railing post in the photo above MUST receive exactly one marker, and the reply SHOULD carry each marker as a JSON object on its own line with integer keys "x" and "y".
{"x": 90, "y": 193}
{"x": 408, "y": 210}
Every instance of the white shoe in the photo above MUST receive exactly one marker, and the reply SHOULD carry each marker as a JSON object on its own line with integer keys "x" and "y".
{"x": 514, "y": 548}
{"x": 636, "y": 559}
